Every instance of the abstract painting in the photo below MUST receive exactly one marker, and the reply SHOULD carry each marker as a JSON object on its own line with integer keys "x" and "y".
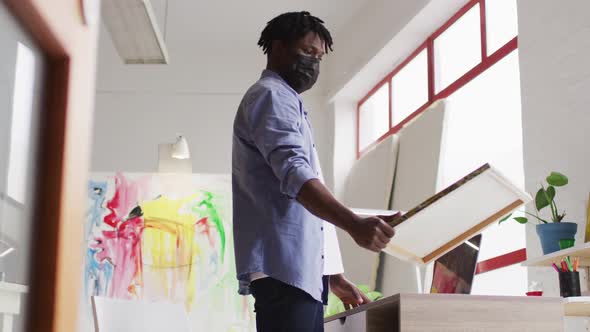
{"x": 165, "y": 238}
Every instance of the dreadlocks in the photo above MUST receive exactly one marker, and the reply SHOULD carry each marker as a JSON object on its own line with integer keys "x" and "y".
{"x": 293, "y": 26}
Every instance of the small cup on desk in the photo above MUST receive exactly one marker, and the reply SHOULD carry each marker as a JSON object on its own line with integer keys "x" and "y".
{"x": 569, "y": 284}
{"x": 535, "y": 289}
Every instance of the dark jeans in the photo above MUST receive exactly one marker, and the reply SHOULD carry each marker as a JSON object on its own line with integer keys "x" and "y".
{"x": 283, "y": 308}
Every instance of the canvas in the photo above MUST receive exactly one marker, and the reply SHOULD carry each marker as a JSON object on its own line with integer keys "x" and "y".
{"x": 165, "y": 238}
{"x": 453, "y": 215}
{"x": 368, "y": 192}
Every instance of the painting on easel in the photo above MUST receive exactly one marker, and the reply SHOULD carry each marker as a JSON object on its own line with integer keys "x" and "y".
{"x": 165, "y": 238}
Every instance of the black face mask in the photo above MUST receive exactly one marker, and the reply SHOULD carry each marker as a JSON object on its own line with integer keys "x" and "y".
{"x": 302, "y": 74}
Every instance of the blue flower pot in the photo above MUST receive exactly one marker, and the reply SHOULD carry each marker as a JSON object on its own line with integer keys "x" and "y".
{"x": 551, "y": 233}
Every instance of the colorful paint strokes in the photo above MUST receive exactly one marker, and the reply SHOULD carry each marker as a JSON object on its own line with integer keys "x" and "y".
{"x": 165, "y": 237}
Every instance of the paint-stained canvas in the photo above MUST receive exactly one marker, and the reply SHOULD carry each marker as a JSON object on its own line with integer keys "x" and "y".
{"x": 166, "y": 238}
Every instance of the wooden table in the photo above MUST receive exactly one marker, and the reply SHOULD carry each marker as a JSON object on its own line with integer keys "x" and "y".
{"x": 450, "y": 312}
{"x": 10, "y": 303}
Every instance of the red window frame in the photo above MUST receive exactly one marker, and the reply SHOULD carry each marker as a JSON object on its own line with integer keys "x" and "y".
{"x": 486, "y": 62}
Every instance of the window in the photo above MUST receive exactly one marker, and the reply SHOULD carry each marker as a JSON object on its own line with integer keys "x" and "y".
{"x": 374, "y": 116}
{"x": 472, "y": 61}
{"x": 409, "y": 88}
{"x": 457, "y": 49}
{"x": 22, "y": 108}
{"x": 473, "y": 40}
{"x": 501, "y": 23}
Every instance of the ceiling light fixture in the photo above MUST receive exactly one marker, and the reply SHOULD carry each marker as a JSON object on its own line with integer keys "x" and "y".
{"x": 135, "y": 33}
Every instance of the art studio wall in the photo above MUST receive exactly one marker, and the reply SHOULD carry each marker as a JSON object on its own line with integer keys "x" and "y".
{"x": 555, "y": 80}
{"x": 196, "y": 94}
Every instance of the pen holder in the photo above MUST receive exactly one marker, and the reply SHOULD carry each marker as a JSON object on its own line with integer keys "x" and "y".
{"x": 569, "y": 284}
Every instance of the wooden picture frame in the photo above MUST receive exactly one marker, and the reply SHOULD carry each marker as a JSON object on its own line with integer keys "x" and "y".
{"x": 64, "y": 146}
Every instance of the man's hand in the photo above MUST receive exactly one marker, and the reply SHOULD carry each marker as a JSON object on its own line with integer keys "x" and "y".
{"x": 347, "y": 292}
{"x": 371, "y": 233}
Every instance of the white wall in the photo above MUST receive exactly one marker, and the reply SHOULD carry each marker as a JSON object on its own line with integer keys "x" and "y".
{"x": 555, "y": 80}
{"x": 213, "y": 60}
{"x": 197, "y": 95}
{"x": 555, "y": 77}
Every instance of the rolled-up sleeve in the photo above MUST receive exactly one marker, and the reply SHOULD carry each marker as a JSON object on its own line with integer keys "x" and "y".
{"x": 274, "y": 120}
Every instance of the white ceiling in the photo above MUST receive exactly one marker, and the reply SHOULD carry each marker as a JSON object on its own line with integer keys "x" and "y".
{"x": 217, "y": 23}
{"x": 212, "y": 44}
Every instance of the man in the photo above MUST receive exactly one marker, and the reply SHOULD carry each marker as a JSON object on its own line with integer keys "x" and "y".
{"x": 280, "y": 202}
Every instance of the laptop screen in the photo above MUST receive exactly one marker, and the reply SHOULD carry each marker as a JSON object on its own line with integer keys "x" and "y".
{"x": 454, "y": 272}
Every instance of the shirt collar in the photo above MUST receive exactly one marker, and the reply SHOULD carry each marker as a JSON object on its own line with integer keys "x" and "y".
{"x": 267, "y": 73}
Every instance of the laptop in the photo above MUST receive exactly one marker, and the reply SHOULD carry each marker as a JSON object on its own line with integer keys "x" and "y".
{"x": 453, "y": 272}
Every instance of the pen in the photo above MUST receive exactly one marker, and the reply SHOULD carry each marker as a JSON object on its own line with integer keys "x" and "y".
{"x": 569, "y": 264}
{"x": 555, "y": 267}
{"x": 563, "y": 266}
{"x": 576, "y": 263}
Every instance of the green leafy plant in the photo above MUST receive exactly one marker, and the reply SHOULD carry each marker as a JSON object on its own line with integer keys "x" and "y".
{"x": 544, "y": 198}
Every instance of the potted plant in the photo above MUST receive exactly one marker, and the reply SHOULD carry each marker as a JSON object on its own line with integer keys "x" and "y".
{"x": 550, "y": 232}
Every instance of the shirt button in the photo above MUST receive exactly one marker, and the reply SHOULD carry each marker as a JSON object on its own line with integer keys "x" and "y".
{"x": 313, "y": 145}
{"x": 322, "y": 228}
{"x": 322, "y": 256}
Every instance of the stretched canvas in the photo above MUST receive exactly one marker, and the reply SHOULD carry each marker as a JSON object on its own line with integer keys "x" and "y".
{"x": 165, "y": 238}
{"x": 368, "y": 186}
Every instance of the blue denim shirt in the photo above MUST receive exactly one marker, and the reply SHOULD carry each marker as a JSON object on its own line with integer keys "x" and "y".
{"x": 273, "y": 156}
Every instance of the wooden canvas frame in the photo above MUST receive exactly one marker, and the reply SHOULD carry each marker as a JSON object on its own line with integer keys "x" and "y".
{"x": 69, "y": 45}
{"x": 519, "y": 198}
